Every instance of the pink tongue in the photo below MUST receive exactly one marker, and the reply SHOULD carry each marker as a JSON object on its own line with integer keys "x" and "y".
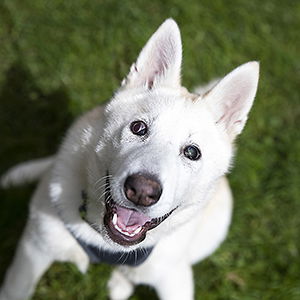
{"x": 129, "y": 220}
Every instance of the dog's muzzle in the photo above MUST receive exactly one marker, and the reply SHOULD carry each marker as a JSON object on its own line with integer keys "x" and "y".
{"x": 127, "y": 226}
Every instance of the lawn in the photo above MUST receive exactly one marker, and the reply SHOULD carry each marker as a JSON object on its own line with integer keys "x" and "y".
{"x": 60, "y": 58}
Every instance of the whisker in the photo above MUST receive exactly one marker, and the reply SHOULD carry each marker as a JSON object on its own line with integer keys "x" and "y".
{"x": 105, "y": 193}
{"x": 100, "y": 187}
{"x": 127, "y": 255}
{"x": 101, "y": 179}
{"x": 135, "y": 256}
{"x": 119, "y": 259}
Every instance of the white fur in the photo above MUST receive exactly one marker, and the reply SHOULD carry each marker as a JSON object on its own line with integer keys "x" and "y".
{"x": 101, "y": 141}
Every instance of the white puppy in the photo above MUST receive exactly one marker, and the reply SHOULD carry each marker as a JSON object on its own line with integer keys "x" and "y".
{"x": 140, "y": 182}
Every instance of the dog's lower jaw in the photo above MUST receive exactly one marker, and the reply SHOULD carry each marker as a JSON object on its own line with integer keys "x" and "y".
{"x": 119, "y": 238}
{"x": 125, "y": 238}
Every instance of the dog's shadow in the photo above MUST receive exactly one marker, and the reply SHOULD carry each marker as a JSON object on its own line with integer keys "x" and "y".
{"x": 32, "y": 124}
{"x": 145, "y": 293}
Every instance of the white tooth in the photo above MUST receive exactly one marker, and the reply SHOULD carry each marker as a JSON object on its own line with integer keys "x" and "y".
{"x": 137, "y": 230}
{"x": 118, "y": 228}
{"x": 115, "y": 218}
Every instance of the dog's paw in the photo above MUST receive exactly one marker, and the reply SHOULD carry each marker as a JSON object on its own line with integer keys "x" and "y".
{"x": 120, "y": 288}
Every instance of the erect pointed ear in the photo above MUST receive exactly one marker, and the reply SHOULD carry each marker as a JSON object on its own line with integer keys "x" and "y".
{"x": 231, "y": 99}
{"x": 159, "y": 62}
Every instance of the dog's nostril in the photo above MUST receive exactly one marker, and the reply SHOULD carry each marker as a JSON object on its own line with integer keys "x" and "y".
{"x": 142, "y": 189}
{"x": 130, "y": 193}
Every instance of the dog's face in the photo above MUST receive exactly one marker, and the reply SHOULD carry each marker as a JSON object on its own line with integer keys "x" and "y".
{"x": 163, "y": 148}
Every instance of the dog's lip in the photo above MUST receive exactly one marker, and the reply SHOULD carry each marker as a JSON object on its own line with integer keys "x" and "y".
{"x": 128, "y": 236}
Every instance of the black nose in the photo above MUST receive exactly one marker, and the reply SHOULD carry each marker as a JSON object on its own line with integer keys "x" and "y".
{"x": 142, "y": 189}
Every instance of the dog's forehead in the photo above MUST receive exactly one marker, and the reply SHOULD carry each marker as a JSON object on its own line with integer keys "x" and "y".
{"x": 163, "y": 107}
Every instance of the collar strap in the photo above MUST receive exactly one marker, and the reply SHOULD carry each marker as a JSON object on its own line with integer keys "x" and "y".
{"x": 133, "y": 258}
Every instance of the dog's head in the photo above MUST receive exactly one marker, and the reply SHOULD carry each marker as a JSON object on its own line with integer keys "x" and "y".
{"x": 163, "y": 148}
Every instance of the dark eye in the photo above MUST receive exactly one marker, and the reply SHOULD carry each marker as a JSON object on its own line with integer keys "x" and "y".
{"x": 192, "y": 152}
{"x": 138, "y": 128}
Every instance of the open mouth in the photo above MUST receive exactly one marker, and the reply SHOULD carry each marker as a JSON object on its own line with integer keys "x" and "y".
{"x": 127, "y": 226}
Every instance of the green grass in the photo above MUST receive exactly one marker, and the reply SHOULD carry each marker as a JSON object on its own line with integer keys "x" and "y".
{"x": 59, "y": 58}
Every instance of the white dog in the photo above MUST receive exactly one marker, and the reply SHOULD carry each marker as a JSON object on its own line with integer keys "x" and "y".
{"x": 138, "y": 183}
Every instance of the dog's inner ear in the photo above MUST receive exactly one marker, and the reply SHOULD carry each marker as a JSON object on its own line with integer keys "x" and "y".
{"x": 231, "y": 99}
{"x": 159, "y": 62}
